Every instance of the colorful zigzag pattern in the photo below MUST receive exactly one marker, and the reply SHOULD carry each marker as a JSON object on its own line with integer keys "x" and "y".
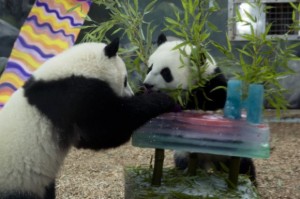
{"x": 51, "y": 27}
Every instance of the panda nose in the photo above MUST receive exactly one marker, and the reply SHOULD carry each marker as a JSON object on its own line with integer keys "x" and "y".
{"x": 148, "y": 86}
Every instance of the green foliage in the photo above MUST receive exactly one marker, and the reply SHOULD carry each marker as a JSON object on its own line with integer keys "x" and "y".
{"x": 177, "y": 185}
{"x": 127, "y": 18}
{"x": 191, "y": 25}
{"x": 296, "y": 10}
{"x": 1, "y": 69}
{"x": 263, "y": 60}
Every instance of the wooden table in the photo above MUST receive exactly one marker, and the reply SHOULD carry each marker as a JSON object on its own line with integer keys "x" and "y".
{"x": 199, "y": 132}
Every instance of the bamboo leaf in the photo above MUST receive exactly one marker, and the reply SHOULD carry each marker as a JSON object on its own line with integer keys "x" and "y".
{"x": 172, "y": 21}
{"x": 74, "y": 7}
{"x": 244, "y": 52}
{"x": 292, "y": 46}
{"x": 228, "y": 43}
{"x": 294, "y": 6}
{"x": 253, "y": 19}
{"x": 213, "y": 27}
{"x": 136, "y": 5}
{"x": 150, "y": 6}
{"x": 238, "y": 15}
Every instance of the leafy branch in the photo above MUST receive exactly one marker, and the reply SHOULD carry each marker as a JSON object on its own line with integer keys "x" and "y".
{"x": 190, "y": 25}
{"x": 263, "y": 59}
{"x": 126, "y": 18}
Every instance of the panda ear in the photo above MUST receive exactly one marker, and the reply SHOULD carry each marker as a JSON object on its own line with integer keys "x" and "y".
{"x": 161, "y": 39}
{"x": 111, "y": 49}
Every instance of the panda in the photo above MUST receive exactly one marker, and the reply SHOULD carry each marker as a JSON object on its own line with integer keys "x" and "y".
{"x": 79, "y": 98}
{"x": 169, "y": 70}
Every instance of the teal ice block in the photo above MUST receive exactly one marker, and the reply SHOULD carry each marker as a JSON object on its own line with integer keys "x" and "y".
{"x": 196, "y": 131}
{"x": 233, "y": 105}
{"x": 255, "y": 103}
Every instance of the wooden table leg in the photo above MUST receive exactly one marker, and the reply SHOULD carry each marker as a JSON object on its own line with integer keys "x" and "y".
{"x": 234, "y": 170}
{"x": 192, "y": 164}
{"x": 158, "y": 167}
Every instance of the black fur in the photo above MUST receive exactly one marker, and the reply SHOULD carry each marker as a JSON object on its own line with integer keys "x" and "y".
{"x": 214, "y": 100}
{"x": 49, "y": 194}
{"x": 161, "y": 39}
{"x": 111, "y": 49}
{"x": 149, "y": 69}
{"x": 18, "y": 196}
{"x": 87, "y": 113}
{"x": 166, "y": 74}
{"x": 89, "y": 108}
{"x": 50, "y": 191}
{"x": 207, "y": 97}
{"x": 247, "y": 166}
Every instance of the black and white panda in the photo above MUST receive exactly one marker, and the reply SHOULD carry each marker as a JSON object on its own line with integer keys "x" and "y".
{"x": 80, "y": 98}
{"x": 169, "y": 70}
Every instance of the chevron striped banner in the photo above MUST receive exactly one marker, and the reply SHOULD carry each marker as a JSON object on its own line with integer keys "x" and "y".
{"x": 51, "y": 27}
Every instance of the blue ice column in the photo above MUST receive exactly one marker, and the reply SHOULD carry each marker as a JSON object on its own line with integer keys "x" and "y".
{"x": 233, "y": 103}
{"x": 255, "y": 103}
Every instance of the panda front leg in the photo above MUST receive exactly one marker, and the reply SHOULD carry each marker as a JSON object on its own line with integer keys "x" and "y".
{"x": 209, "y": 161}
{"x": 50, "y": 191}
{"x": 116, "y": 120}
{"x": 48, "y": 194}
{"x": 138, "y": 110}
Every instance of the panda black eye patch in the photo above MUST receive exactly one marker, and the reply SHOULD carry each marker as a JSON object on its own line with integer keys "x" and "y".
{"x": 166, "y": 74}
{"x": 149, "y": 69}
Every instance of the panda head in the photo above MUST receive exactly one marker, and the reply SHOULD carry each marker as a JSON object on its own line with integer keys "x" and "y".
{"x": 169, "y": 68}
{"x": 89, "y": 60}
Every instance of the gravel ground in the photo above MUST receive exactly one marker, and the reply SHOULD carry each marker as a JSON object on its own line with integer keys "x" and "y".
{"x": 88, "y": 174}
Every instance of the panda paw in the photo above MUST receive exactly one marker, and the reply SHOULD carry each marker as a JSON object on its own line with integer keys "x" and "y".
{"x": 165, "y": 101}
{"x": 181, "y": 160}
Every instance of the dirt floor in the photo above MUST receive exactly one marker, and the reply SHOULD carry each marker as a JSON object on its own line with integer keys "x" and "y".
{"x": 100, "y": 175}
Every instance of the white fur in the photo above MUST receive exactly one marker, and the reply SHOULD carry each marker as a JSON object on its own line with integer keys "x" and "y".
{"x": 29, "y": 153}
{"x": 87, "y": 60}
{"x": 166, "y": 56}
